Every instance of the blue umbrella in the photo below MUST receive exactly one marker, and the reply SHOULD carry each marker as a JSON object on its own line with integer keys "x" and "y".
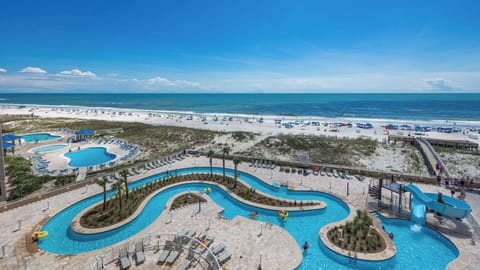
{"x": 85, "y": 132}
{"x": 10, "y": 137}
{"x": 7, "y": 145}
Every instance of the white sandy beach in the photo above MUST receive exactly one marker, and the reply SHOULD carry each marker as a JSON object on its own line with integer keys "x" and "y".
{"x": 248, "y": 123}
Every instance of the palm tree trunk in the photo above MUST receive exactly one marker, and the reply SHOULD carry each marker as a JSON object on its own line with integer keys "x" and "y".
{"x": 235, "y": 181}
{"x": 211, "y": 169}
{"x": 104, "y": 195}
{"x": 223, "y": 157}
{"x": 120, "y": 198}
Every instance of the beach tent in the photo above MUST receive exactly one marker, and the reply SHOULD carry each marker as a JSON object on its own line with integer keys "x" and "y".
{"x": 11, "y": 138}
{"x": 84, "y": 134}
{"x": 7, "y": 145}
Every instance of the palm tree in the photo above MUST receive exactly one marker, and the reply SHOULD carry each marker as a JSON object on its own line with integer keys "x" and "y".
{"x": 210, "y": 155}
{"x": 124, "y": 174}
{"x": 225, "y": 152}
{"x": 236, "y": 162}
{"x": 103, "y": 182}
{"x": 118, "y": 186}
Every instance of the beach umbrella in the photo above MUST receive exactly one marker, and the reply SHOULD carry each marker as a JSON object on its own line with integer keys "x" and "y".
{"x": 6, "y": 145}
{"x": 10, "y": 137}
{"x": 84, "y": 133}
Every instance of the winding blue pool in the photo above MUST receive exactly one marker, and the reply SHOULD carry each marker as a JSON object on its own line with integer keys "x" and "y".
{"x": 89, "y": 156}
{"x": 302, "y": 225}
{"x": 48, "y": 148}
{"x": 39, "y": 137}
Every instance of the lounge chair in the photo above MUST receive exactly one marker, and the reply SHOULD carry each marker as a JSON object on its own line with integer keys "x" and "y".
{"x": 224, "y": 257}
{"x": 166, "y": 251}
{"x": 218, "y": 248}
{"x": 137, "y": 171}
{"x": 188, "y": 261}
{"x": 176, "y": 252}
{"x": 139, "y": 253}
{"x": 199, "y": 239}
{"x": 123, "y": 259}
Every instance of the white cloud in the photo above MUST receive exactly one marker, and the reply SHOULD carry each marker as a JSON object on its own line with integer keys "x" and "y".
{"x": 2, "y": 70}
{"x": 160, "y": 81}
{"x": 439, "y": 84}
{"x": 79, "y": 73}
{"x": 33, "y": 70}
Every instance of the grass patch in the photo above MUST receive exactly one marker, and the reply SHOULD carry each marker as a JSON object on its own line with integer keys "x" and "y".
{"x": 321, "y": 149}
{"x": 23, "y": 182}
{"x": 357, "y": 235}
{"x": 186, "y": 199}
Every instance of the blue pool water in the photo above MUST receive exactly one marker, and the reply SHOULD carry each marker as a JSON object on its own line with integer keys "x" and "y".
{"x": 302, "y": 225}
{"x": 39, "y": 137}
{"x": 48, "y": 148}
{"x": 89, "y": 156}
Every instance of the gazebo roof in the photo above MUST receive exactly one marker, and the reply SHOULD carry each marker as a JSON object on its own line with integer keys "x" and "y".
{"x": 85, "y": 132}
{"x": 7, "y": 145}
{"x": 10, "y": 137}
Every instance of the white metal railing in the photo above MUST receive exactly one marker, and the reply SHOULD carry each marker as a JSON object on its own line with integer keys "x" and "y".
{"x": 154, "y": 242}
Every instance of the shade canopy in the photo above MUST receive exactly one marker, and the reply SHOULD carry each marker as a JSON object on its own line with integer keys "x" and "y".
{"x": 7, "y": 145}
{"x": 85, "y": 132}
{"x": 10, "y": 137}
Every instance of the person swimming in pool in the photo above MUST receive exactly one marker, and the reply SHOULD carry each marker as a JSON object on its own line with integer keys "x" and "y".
{"x": 305, "y": 246}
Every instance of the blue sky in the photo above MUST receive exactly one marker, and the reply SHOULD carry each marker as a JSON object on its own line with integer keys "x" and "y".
{"x": 239, "y": 46}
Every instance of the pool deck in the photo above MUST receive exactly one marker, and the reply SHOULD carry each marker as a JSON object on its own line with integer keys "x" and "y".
{"x": 239, "y": 235}
{"x": 57, "y": 159}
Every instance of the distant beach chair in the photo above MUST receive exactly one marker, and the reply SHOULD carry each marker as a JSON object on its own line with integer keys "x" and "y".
{"x": 123, "y": 258}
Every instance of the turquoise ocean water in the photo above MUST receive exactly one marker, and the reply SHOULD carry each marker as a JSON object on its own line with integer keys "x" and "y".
{"x": 426, "y": 107}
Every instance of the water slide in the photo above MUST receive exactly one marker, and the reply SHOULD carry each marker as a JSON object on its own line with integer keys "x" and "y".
{"x": 451, "y": 207}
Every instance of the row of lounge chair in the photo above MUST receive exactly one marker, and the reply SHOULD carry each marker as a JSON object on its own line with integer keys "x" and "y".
{"x": 124, "y": 257}
{"x": 172, "y": 249}
{"x": 264, "y": 164}
{"x": 334, "y": 173}
{"x": 164, "y": 161}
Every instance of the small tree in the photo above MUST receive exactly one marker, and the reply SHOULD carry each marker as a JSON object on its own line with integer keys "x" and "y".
{"x": 225, "y": 151}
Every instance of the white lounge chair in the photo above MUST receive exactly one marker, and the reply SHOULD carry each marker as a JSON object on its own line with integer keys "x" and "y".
{"x": 224, "y": 257}
{"x": 218, "y": 248}
{"x": 188, "y": 261}
{"x": 124, "y": 261}
{"x": 166, "y": 251}
{"x": 139, "y": 253}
